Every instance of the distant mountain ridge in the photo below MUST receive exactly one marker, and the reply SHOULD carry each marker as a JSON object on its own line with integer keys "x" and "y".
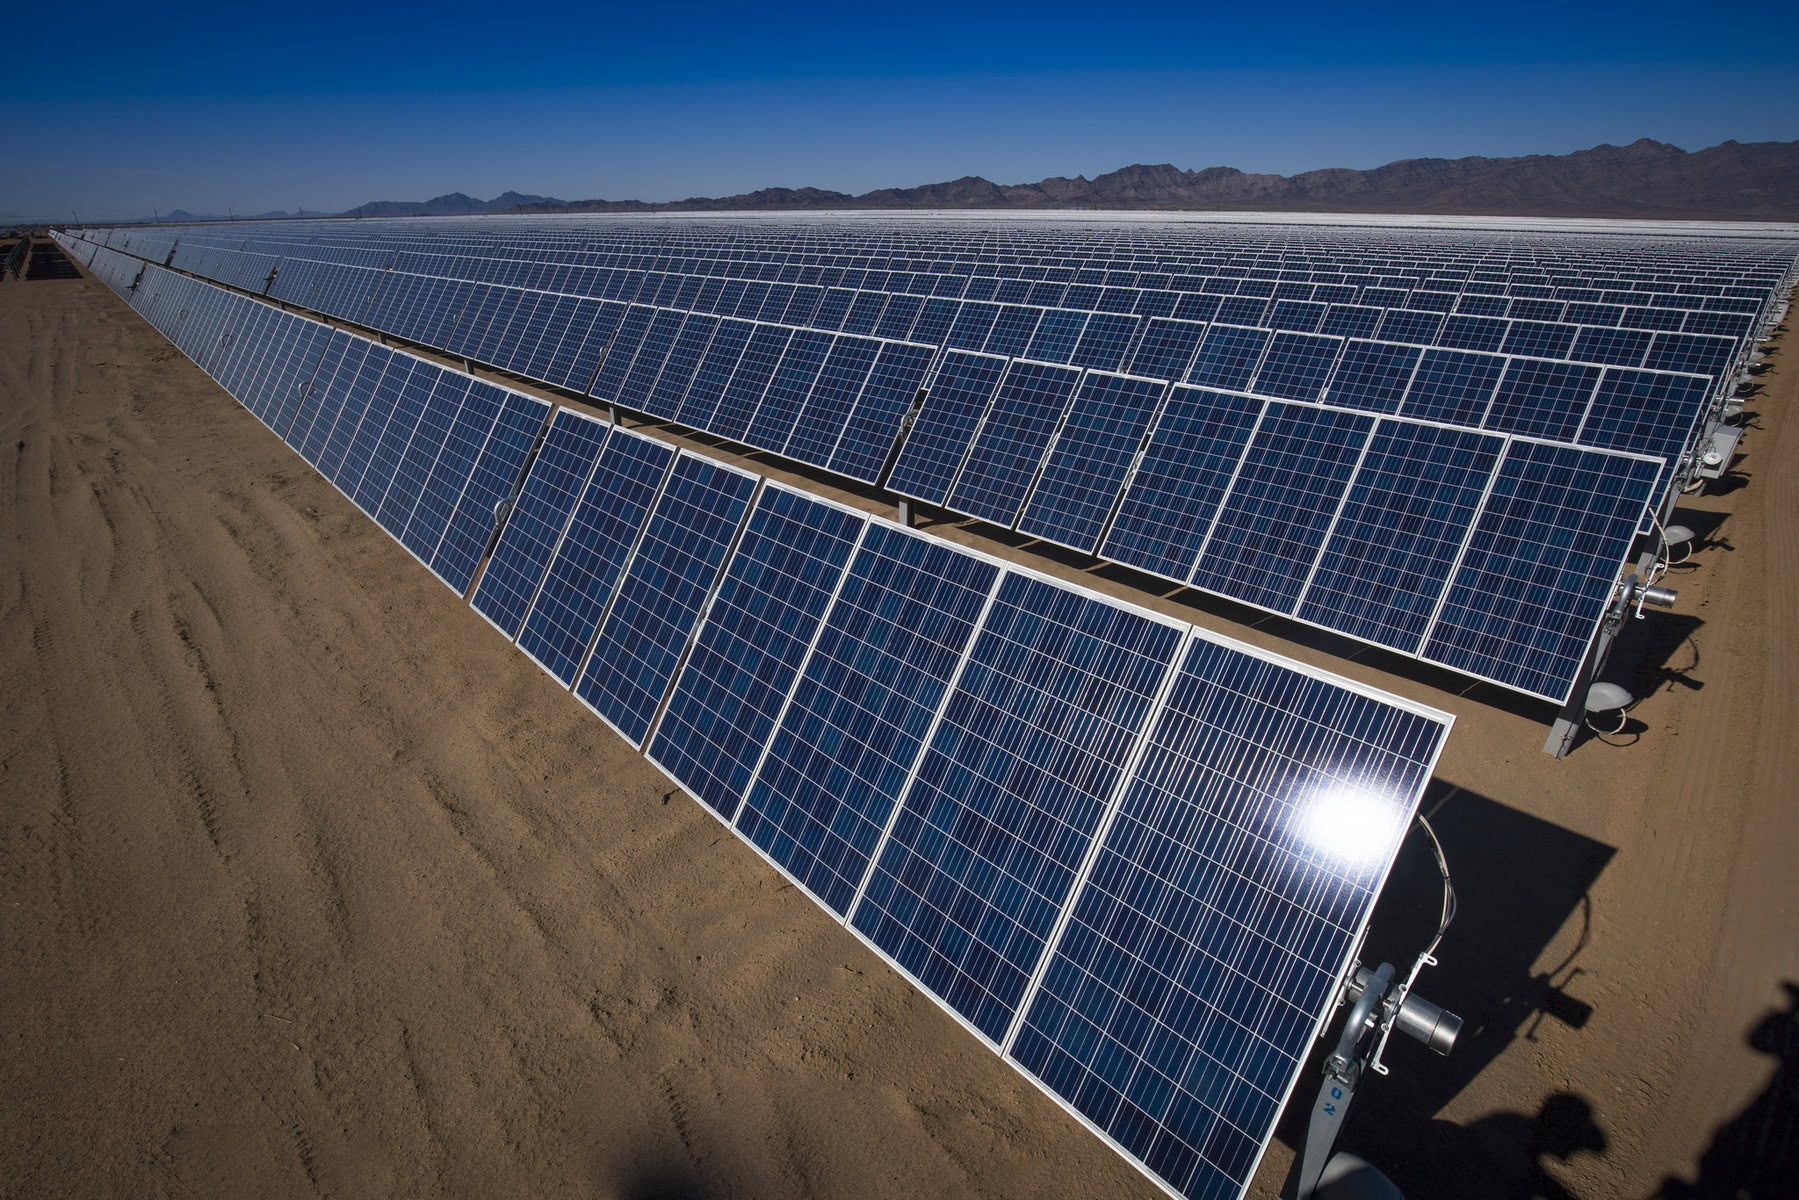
{"x": 1733, "y": 180}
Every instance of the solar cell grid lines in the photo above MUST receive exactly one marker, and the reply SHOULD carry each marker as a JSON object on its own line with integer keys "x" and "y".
{"x": 845, "y": 744}
{"x": 958, "y": 398}
{"x": 1084, "y": 472}
{"x": 770, "y": 606}
{"x": 1197, "y": 961}
{"x": 662, "y": 593}
{"x": 601, "y": 532}
{"x": 1280, "y": 505}
{"x": 996, "y": 824}
{"x": 532, "y": 532}
{"x": 1009, "y": 444}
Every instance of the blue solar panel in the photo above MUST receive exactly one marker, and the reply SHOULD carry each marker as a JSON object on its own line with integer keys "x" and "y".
{"x": 743, "y": 395}
{"x": 1695, "y": 353}
{"x": 1105, "y": 341}
{"x": 1351, "y": 321}
{"x": 383, "y": 403}
{"x": 535, "y": 525}
{"x": 1372, "y": 376}
{"x": 665, "y": 397}
{"x": 455, "y": 462}
{"x": 1453, "y": 387}
{"x": 1297, "y": 365}
{"x": 1203, "y": 949}
{"x": 493, "y": 479}
{"x": 821, "y": 419}
{"x": 1645, "y": 411}
{"x": 1012, "y": 330}
{"x": 1538, "y": 570}
{"x": 757, "y": 632}
{"x": 1172, "y": 496}
{"x": 1057, "y": 334}
{"x": 1091, "y": 456}
{"x": 793, "y": 381}
{"x": 1167, "y": 349}
{"x": 421, "y": 452}
{"x": 608, "y": 384}
{"x": 298, "y": 418}
{"x": 1538, "y": 339}
{"x": 1228, "y": 357}
{"x": 1404, "y": 325}
{"x": 332, "y": 391}
{"x": 714, "y": 373}
{"x": 1473, "y": 333}
{"x": 1391, "y": 551}
{"x": 359, "y": 392}
{"x": 660, "y": 597}
{"x": 1009, "y": 793}
{"x": 958, "y": 399}
{"x": 652, "y": 354}
{"x": 1274, "y": 519}
{"x": 614, "y": 505}
{"x": 1542, "y": 399}
{"x": 874, "y": 424}
{"x": 1620, "y": 347}
{"x": 845, "y": 746}
{"x": 1010, "y": 444}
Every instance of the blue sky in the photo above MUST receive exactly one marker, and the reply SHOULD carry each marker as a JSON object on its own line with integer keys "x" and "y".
{"x": 264, "y": 107}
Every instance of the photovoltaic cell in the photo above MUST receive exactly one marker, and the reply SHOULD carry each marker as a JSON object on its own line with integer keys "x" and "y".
{"x": 846, "y": 744}
{"x": 450, "y": 472}
{"x": 1009, "y": 793}
{"x": 1540, "y": 566}
{"x": 1173, "y": 494}
{"x": 1390, "y": 554}
{"x": 1188, "y": 983}
{"x": 821, "y": 420}
{"x": 537, "y": 520}
{"x": 1010, "y": 444}
{"x": 755, "y": 637}
{"x": 1278, "y": 510}
{"x": 958, "y": 399}
{"x": 664, "y": 588}
{"x": 1091, "y": 456}
{"x": 1296, "y": 366}
{"x": 792, "y": 382}
{"x": 614, "y": 505}
{"x": 743, "y": 395}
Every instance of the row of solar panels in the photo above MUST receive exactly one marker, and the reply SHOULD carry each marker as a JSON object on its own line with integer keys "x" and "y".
{"x": 1134, "y": 858}
{"x": 741, "y": 289}
{"x": 1487, "y": 552}
{"x": 652, "y": 360}
{"x": 844, "y": 256}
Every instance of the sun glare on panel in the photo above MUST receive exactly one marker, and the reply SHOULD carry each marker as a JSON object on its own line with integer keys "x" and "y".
{"x": 1351, "y": 826}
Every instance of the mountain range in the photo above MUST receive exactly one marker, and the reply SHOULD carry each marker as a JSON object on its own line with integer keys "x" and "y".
{"x": 1734, "y": 180}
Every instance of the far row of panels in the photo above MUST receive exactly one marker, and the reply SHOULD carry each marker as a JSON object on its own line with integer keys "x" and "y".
{"x": 838, "y": 400}
{"x": 1109, "y": 843}
{"x": 1684, "y": 272}
{"x": 1493, "y": 554}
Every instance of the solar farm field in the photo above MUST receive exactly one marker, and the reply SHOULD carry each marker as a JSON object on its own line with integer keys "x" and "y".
{"x": 1111, "y": 755}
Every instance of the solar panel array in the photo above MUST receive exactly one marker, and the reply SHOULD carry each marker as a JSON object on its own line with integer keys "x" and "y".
{"x": 1061, "y": 370}
{"x": 1133, "y": 857}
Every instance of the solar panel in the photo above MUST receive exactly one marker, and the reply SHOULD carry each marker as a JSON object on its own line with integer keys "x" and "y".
{"x": 355, "y": 478}
{"x": 1092, "y": 454}
{"x": 1297, "y": 365}
{"x": 1228, "y": 357}
{"x": 821, "y": 419}
{"x": 1649, "y": 412}
{"x": 495, "y": 478}
{"x": 359, "y": 392}
{"x": 1281, "y": 504}
{"x": 601, "y": 532}
{"x": 1453, "y": 387}
{"x": 1372, "y": 376}
{"x": 792, "y": 382}
{"x": 1167, "y": 349}
{"x": 749, "y": 381}
{"x": 535, "y": 525}
{"x": 455, "y": 462}
{"x": 871, "y": 429}
{"x": 845, "y": 744}
{"x": 757, "y": 632}
{"x": 984, "y": 850}
{"x": 1009, "y": 446}
{"x": 415, "y": 462}
{"x": 665, "y": 587}
{"x": 1542, "y": 399}
{"x": 1540, "y": 565}
{"x": 1173, "y": 494}
{"x": 1201, "y": 954}
{"x": 957, "y": 401}
{"x": 714, "y": 373}
{"x": 1403, "y": 523}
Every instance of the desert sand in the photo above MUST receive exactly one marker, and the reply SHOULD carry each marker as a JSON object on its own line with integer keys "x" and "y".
{"x": 310, "y": 885}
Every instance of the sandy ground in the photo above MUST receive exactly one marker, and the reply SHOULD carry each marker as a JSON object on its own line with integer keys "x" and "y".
{"x": 310, "y": 886}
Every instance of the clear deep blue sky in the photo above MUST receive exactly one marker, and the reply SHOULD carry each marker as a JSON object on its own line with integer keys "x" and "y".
{"x": 259, "y": 107}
